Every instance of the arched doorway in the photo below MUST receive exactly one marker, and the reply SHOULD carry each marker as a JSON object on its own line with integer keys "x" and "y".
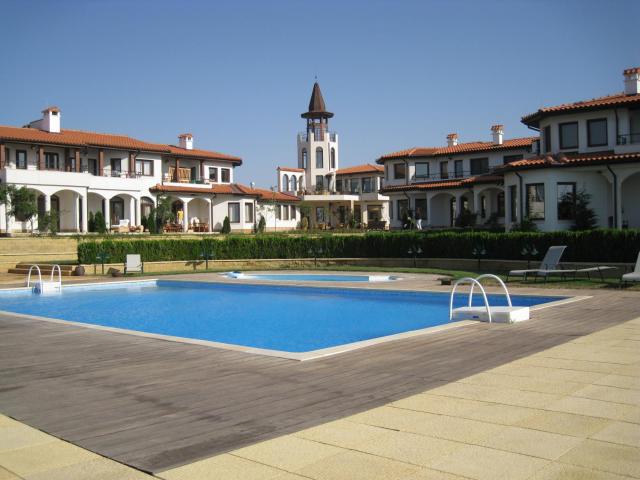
{"x": 116, "y": 209}
{"x": 630, "y": 193}
{"x": 42, "y": 209}
{"x": 177, "y": 208}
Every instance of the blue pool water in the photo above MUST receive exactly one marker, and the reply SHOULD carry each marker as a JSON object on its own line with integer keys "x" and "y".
{"x": 291, "y": 319}
{"x": 314, "y": 277}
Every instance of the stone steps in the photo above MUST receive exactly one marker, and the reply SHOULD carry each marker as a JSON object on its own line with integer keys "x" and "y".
{"x": 45, "y": 269}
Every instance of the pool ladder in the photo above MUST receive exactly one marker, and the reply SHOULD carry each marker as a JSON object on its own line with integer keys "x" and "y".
{"x": 45, "y": 286}
{"x": 474, "y": 311}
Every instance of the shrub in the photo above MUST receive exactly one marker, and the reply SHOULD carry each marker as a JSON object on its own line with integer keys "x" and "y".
{"x": 100, "y": 225}
{"x": 603, "y": 245}
{"x": 226, "y": 226}
{"x": 262, "y": 224}
{"x": 48, "y": 222}
{"x": 304, "y": 223}
{"x": 466, "y": 218}
{"x": 91, "y": 223}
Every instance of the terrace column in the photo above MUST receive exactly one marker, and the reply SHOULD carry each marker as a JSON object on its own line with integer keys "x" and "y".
{"x": 477, "y": 204}
{"x": 85, "y": 212}
{"x": 77, "y": 156}
{"x": 3, "y": 154}
{"x": 100, "y": 162}
{"x": 132, "y": 211}
{"x": 41, "y": 165}
{"x": 429, "y": 221}
{"x": 201, "y": 170}
{"x": 185, "y": 215}
{"x": 364, "y": 213}
{"x": 175, "y": 173}
{"x": 138, "y": 211}
{"x": 210, "y": 217}
{"x": 76, "y": 212}
{"x": 47, "y": 203}
{"x": 107, "y": 212}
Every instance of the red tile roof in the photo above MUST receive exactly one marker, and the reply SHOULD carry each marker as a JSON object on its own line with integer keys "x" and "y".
{"x": 81, "y": 139}
{"x": 291, "y": 169}
{"x": 571, "y": 160}
{"x": 609, "y": 101}
{"x": 443, "y": 184}
{"x": 226, "y": 189}
{"x": 366, "y": 168}
{"x": 469, "y": 147}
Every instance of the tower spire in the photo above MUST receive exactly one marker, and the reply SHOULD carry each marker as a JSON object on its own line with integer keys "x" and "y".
{"x": 317, "y": 108}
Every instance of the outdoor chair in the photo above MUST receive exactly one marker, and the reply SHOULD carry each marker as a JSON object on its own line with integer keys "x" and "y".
{"x": 549, "y": 266}
{"x": 133, "y": 264}
{"x": 632, "y": 276}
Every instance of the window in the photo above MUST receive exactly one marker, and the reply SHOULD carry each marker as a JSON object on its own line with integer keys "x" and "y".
{"x": 51, "y": 161}
{"x": 278, "y": 212}
{"x": 374, "y": 213}
{"x": 319, "y": 158}
{"x": 421, "y": 209}
{"x": 479, "y": 166}
{"x": 367, "y": 185}
{"x": 116, "y": 166}
{"x": 213, "y": 174}
{"x": 338, "y": 185}
{"x": 285, "y": 183}
{"x": 144, "y": 167}
{"x": 319, "y": 214}
{"x": 457, "y": 168}
{"x": 513, "y": 203}
{"x": 304, "y": 158}
{"x": 500, "y": 200}
{"x": 333, "y": 158}
{"x": 234, "y": 212}
{"x": 225, "y": 175}
{"x": 568, "y": 135}
{"x": 444, "y": 170}
{"x": 92, "y": 166}
{"x": 293, "y": 212}
{"x": 319, "y": 182}
{"x": 422, "y": 170}
{"x": 399, "y": 171}
{"x": 511, "y": 158}
{"x": 566, "y": 200}
{"x": 634, "y": 126}
{"x": 354, "y": 185}
{"x": 547, "y": 139}
{"x": 285, "y": 212}
{"x": 248, "y": 212}
{"x": 403, "y": 208}
{"x": 146, "y": 204}
{"x": 535, "y": 201}
{"x": 597, "y": 132}
{"x": 21, "y": 159}
{"x": 293, "y": 184}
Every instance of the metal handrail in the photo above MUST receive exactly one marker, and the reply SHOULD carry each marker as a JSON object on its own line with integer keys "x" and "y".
{"x": 39, "y": 275}
{"x": 472, "y": 281}
{"x": 494, "y": 277}
{"x": 56, "y": 266}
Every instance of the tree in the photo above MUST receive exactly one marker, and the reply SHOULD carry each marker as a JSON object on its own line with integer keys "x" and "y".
{"x": 24, "y": 205}
{"x": 152, "y": 221}
{"x": 91, "y": 222}
{"x": 5, "y": 199}
{"x": 262, "y": 224}
{"x": 226, "y": 226}
{"x": 48, "y": 222}
{"x": 577, "y": 206}
{"x": 466, "y": 218}
{"x": 100, "y": 224}
{"x": 164, "y": 212}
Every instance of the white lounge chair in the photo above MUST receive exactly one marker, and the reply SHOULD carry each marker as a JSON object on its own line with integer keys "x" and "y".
{"x": 632, "y": 276}
{"x": 133, "y": 264}
{"x": 548, "y": 266}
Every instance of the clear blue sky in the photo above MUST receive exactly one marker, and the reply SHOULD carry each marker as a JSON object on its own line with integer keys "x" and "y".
{"x": 237, "y": 74}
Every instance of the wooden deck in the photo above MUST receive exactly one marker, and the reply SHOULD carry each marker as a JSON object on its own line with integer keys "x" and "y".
{"x": 156, "y": 404}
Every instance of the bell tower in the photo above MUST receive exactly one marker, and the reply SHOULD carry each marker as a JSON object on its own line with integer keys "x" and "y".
{"x": 317, "y": 146}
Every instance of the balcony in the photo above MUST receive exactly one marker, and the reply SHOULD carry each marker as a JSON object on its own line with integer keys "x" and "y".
{"x": 318, "y": 135}
{"x": 631, "y": 139}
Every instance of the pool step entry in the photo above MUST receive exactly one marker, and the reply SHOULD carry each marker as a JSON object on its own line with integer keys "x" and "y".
{"x": 486, "y": 313}
{"x": 45, "y": 268}
{"x": 45, "y": 286}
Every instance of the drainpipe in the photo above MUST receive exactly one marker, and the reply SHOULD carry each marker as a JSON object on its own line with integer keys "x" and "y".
{"x": 615, "y": 196}
{"x": 617, "y": 126}
{"x": 520, "y": 206}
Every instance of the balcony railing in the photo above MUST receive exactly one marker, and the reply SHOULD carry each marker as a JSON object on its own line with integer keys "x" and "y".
{"x": 318, "y": 135}
{"x": 633, "y": 138}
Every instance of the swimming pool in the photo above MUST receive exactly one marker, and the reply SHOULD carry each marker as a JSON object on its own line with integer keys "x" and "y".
{"x": 309, "y": 277}
{"x": 288, "y": 320}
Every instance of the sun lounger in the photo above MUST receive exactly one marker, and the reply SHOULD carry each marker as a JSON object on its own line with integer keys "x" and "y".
{"x": 133, "y": 264}
{"x": 632, "y": 276}
{"x": 548, "y": 266}
{"x": 599, "y": 269}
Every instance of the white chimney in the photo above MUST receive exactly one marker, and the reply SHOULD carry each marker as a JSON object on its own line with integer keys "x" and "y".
{"x": 50, "y": 120}
{"x": 498, "y": 132}
{"x": 452, "y": 139}
{"x": 632, "y": 81}
{"x": 185, "y": 141}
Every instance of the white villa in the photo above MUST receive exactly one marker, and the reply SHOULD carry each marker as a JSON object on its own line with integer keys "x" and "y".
{"x": 334, "y": 195}
{"x": 75, "y": 172}
{"x": 591, "y": 146}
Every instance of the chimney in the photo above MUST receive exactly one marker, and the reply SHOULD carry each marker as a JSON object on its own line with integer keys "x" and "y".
{"x": 50, "y": 120}
{"x": 185, "y": 141}
{"x": 632, "y": 81}
{"x": 452, "y": 139}
{"x": 498, "y": 132}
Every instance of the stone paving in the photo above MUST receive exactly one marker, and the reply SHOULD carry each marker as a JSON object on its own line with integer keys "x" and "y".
{"x": 570, "y": 412}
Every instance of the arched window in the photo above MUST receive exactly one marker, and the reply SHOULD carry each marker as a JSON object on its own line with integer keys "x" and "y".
{"x": 319, "y": 158}
{"x": 294, "y": 183}
{"x": 285, "y": 183}
{"x": 304, "y": 158}
{"x": 146, "y": 204}
{"x": 333, "y": 157}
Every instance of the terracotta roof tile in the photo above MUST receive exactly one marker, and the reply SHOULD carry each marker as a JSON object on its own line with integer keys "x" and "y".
{"x": 469, "y": 147}
{"x": 443, "y": 184}
{"x": 291, "y": 169}
{"x": 366, "y": 168}
{"x": 206, "y": 154}
{"x": 593, "y": 104}
{"x": 226, "y": 189}
{"x": 571, "y": 160}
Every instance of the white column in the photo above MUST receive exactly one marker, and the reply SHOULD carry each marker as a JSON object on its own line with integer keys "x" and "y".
{"x": 132, "y": 210}
{"x": 85, "y": 213}
{"x": 138, "y": 211}
{"x": 209, "y": 216}
{"x": 364, "y": 213}
{"x": 107, "y": 213}
{"x": 477, "y": 204}
{"x": 429, "y": 212}
{"x": 185, "y": 215}
{"x": 76, "y": 212}
{"x": 47, "y": 203}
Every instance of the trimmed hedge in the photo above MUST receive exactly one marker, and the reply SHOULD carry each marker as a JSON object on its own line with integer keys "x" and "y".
{"x": 604, "y": 245}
